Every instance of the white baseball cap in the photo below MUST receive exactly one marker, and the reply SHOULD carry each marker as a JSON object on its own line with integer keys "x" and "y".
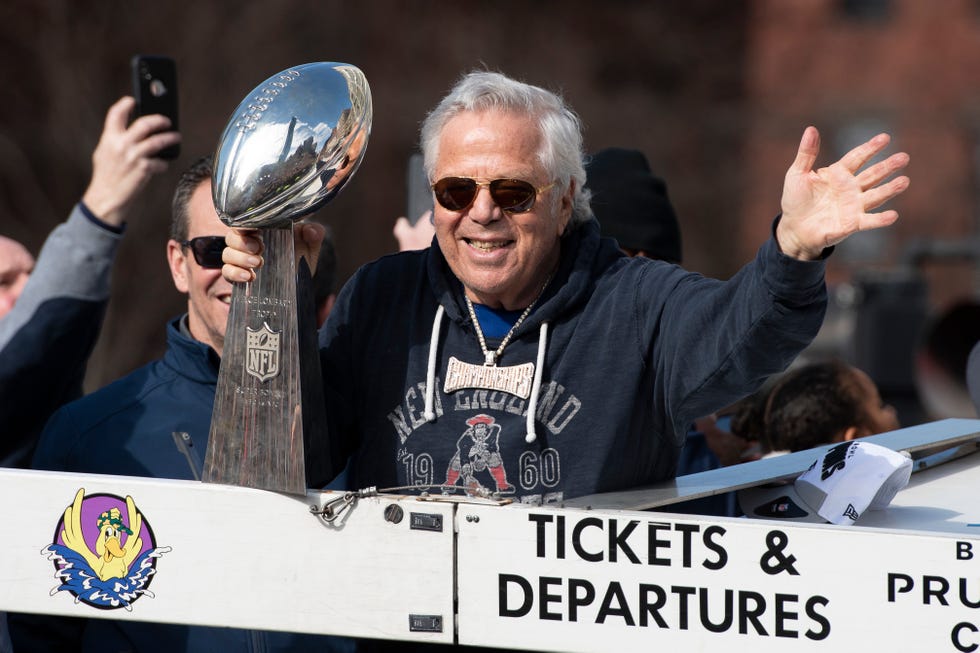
{"x": 839, "y": 486}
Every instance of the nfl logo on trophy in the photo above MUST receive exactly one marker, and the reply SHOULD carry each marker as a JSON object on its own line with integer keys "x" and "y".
{"x": 262, "y": 352}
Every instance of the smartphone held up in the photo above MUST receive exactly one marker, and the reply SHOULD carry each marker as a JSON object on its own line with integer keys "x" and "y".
{"x": 155, "y": 90}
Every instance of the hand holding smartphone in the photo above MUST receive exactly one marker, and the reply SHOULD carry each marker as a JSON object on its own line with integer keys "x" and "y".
{"x": 155, "y": 90}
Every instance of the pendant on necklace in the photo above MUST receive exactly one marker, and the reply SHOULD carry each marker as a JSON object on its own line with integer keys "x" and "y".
{"x": 515, "y": 379}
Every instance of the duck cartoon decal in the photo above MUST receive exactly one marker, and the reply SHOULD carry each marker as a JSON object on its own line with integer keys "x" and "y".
{"x": 119, "y": 569}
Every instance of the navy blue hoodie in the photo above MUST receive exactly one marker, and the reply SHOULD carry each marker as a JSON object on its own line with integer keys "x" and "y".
{"x": 633, "y": 351}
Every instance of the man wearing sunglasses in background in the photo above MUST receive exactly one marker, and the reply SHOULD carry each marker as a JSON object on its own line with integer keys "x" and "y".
{"x": 155, "y": 422}
{"x": 522, "y": 354}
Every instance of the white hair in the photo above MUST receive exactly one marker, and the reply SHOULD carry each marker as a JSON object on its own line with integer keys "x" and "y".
{"x": 561, "y": 151}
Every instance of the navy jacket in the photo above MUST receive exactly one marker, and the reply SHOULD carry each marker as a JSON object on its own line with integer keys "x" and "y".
{"x": 127, "y": 427}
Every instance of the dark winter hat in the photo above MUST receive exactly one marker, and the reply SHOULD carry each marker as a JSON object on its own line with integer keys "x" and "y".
{"x": 631, "y": 203}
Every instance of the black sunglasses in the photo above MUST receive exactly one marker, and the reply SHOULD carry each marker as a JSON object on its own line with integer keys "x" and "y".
{"x": 511, "y": 195}
{"x": 207, "y": 250}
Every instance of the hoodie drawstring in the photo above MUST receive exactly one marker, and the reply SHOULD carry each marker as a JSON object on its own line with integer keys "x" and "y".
{"x": 430, "y": 377}
{"x": 532, "y": 406}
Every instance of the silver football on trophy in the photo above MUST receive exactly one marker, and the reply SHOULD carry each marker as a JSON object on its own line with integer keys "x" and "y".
{"x": 291, "y": 145}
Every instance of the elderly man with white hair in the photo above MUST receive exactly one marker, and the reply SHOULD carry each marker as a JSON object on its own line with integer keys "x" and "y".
{"x": 582, "y": 366}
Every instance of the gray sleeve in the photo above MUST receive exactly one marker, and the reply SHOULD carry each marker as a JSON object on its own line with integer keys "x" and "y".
{"x": 75, "y": 262}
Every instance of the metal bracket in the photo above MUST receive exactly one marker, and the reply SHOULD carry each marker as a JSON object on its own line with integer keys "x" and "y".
{"x": 332, "y": 509}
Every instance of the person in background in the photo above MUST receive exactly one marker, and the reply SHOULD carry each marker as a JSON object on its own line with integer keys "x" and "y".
{"x": 632, "y": 205}
{"x": 51, "y": 311}
{"x": 414, "y": 236}
{"x": 16, "y": 264}
{"x": 941, "y": 362}
{"x": 155, "y": 422}
{"x": 745, "y": 421}
{"x": 823, "y": 403}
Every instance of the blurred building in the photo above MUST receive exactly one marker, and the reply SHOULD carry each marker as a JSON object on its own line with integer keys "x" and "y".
{"x": 716, "y": 94}
{"x": 855, "y": 68}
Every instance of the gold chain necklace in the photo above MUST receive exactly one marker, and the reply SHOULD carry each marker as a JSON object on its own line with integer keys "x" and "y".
{"x": 490, "y": 357}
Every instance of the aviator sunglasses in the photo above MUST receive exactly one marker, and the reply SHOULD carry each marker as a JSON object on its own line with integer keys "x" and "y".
{"x": 511, "y": 195}
{"x": 207, "y": 250}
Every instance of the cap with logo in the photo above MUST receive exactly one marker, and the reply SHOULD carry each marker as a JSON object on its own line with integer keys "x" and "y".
{"x": 840, "y": 485}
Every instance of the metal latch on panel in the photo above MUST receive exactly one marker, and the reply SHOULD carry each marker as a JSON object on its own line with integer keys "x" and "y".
{"x": 425, "y": 623}
{"x": 425, "y": 521}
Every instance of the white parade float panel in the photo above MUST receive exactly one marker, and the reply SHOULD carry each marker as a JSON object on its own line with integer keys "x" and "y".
{"x": 593, "y": 580}
{"x": 245, "y": 558}
{"x": 587, "y": 577}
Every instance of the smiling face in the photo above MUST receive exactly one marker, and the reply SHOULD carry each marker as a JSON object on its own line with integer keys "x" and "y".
{"x": 501, "y": 258}
{"x": 208, "y": 294}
